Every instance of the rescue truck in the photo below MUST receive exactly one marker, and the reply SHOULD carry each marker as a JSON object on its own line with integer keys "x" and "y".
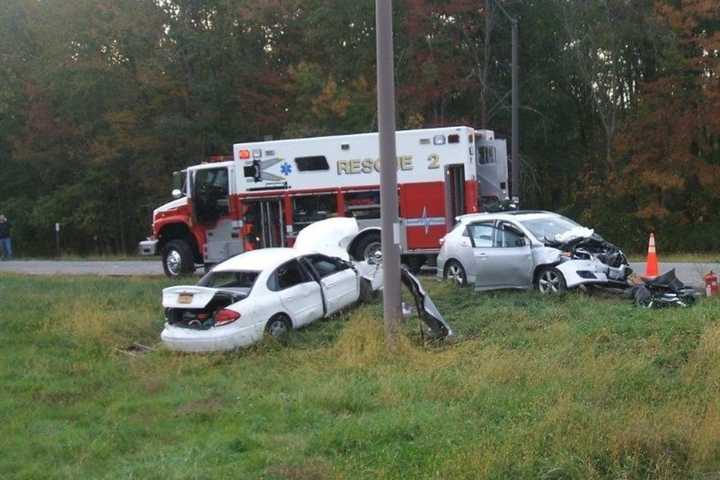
{"x": 270, "y": 190}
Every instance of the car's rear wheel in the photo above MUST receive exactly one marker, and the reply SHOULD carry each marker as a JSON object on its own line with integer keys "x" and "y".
{"x": 455, "y": 272}
{"x": 278, "y": 327}
{"x": 550, "y": 281}
{"x": 177, "y": 258}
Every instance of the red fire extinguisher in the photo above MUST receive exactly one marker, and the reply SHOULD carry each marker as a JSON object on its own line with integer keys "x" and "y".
{"x": 711, "y": 284}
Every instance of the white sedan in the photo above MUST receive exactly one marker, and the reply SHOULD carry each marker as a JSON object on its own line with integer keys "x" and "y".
{"x": 258, "y": 293}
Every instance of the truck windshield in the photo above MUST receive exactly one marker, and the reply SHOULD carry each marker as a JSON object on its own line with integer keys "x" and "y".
{"x": 179, "y": 181}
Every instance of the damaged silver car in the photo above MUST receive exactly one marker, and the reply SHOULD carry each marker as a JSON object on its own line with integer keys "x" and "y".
{"x": 522, "y": 249}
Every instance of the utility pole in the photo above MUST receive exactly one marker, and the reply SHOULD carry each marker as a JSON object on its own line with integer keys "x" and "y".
{"x": 390, "y": 236}
{"x": 515, "y": 148}
{"x": 515, "y": 144}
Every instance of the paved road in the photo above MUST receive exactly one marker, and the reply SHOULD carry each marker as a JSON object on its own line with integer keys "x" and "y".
{"x": 80, "y": 267}
{"x": 690, "y": 273}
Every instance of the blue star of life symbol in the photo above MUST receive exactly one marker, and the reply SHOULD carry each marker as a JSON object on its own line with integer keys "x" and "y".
{"x": 425, "y": 220}
{"x": 286, "y": 169}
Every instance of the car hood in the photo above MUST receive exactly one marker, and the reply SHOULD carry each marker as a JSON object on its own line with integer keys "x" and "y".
{"x": 591, "y": 246}
{"x": 330, "y": 237}
{"x": 170, "y": 206}
{"x": 574, "y": 233}
{"x": 436, "y": 325}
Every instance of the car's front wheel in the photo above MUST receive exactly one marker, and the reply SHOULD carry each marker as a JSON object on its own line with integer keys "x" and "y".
{"x": 550, "y": 281}
{"x": 455, "y": 272}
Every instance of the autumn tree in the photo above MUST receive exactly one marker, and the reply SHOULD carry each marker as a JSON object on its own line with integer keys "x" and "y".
{"x": 670, "y": 175}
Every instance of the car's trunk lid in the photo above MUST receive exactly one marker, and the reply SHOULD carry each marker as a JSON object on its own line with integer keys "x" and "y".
{"x": 188, "y": 296}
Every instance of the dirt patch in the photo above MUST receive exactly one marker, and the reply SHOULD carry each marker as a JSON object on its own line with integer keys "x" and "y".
{"x": 314, "y": 470}
{"x": 199, "y": 406}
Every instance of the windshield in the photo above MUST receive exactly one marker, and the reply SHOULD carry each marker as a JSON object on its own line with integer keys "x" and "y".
{"x": 241, "y": 280}
{"x": 179, "y": 181}
{"x": 547, "y": 228}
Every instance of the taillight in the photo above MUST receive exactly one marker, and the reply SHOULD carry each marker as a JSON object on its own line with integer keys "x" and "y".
{"x": 442, "y": 240}
{"x": 225, "y": 316}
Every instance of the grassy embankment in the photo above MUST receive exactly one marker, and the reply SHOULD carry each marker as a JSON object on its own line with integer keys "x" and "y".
{"x": 575, "y": 387}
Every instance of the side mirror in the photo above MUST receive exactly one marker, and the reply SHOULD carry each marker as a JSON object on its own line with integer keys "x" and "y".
{"x": 177, "y": 193}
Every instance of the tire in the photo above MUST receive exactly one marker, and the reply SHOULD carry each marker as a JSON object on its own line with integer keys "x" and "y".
{"x": 550, "y": 281}
{"x": 367, "y": 246}
{"x": 178, "y": 259}
{"x": 278, "y": 327}
{"x": 455, "y": 272}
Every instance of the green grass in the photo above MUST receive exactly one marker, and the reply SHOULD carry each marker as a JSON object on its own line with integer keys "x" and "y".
{"x": 570, "y": 388}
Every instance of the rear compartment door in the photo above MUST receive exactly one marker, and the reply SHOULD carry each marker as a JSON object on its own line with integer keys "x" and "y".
{"x": 492, "y": 168}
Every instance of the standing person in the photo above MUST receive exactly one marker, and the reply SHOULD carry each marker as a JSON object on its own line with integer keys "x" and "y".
{"x": 5, "y": 241}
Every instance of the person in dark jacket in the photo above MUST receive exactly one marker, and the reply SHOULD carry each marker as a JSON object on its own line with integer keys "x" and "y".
{"x": 5, "y": 241}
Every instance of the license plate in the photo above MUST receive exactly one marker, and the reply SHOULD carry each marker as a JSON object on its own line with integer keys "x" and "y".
{"x": 185, "y": 298}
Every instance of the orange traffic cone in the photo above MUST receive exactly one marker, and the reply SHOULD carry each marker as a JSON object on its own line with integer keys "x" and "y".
{"x": 652, "y": 269}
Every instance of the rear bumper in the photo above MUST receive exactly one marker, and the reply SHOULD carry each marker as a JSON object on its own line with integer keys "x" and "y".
{"x": 148, "y": 247}
{"x": 217, "y": 339}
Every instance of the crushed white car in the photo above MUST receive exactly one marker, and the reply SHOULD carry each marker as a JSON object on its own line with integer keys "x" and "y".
{"x": 522, "y": 249}
{"x": 268, "y": 291}
{"x": 273, "y": 290}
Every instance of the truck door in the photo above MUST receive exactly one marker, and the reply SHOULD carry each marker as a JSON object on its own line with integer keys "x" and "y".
{"x": 212, "y": 209}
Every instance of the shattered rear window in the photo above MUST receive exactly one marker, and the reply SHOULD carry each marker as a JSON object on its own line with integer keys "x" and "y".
{"x": 547, "y": 228}
{"x": 229, "y": 279}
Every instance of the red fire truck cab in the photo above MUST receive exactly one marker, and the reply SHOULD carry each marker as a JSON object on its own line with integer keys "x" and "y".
{"x": 271, "y": 190}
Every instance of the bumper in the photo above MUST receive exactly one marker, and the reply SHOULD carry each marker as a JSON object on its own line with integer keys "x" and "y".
{"x": 148, "y": 247}
{"x": 589, "y": 272}
{"x": 217, "y": 339}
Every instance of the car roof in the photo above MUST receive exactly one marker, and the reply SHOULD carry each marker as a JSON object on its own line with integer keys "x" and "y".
{"x": 259, "y": 260}
{"x": 510, "y": 215}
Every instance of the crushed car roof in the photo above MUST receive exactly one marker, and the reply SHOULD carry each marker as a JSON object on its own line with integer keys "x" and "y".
{"x": 258, "y": 260}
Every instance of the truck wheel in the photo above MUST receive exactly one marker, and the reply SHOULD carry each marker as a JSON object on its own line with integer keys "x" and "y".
{"x": 367, "y": 247}
{"x": 177, "y": 258}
